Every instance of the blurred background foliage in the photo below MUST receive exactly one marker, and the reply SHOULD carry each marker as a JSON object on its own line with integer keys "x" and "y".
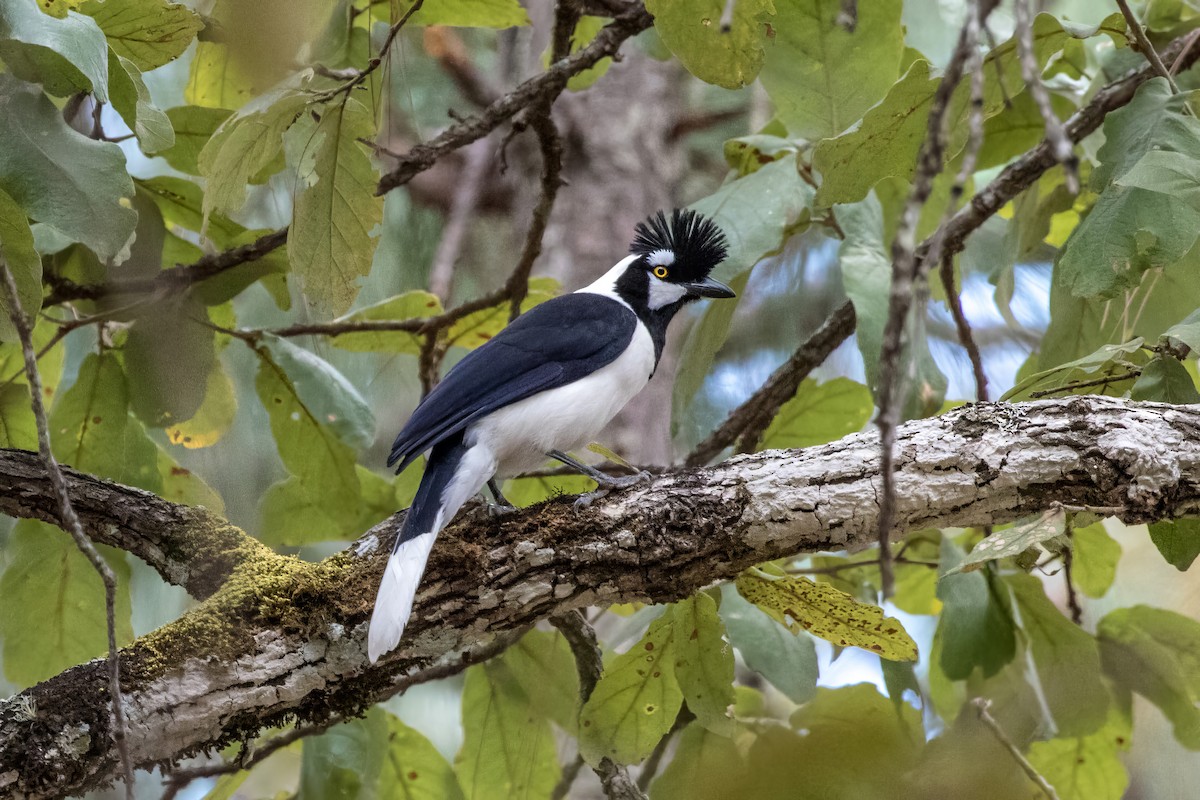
{"x": 136, "y": 135}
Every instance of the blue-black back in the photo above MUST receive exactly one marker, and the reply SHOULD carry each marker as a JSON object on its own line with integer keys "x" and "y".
{"x": 551, "y": 345}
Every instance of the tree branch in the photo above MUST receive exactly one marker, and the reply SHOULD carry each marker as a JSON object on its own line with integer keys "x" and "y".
{"x": 283, "y": 641}
{"x": 189, "y": 547}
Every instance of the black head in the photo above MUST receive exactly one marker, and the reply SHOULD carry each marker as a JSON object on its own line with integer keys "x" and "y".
{"x": 672, "y": 257}
{"x": 682, "y": 249}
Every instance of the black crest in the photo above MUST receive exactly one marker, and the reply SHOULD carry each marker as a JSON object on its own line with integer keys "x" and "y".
{"x": 696, "y": 241}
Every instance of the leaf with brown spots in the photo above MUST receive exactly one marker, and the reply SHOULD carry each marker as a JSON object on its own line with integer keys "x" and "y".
{"x": 826, "y": 612}
{"x": 636, "y": 700}
{"x": 704, "y": 662}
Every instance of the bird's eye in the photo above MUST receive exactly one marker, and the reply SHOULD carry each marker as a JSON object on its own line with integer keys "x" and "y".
{"x": 660, "y": 272}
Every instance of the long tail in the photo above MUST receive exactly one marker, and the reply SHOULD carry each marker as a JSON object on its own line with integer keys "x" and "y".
{"x": 451, "y": 477}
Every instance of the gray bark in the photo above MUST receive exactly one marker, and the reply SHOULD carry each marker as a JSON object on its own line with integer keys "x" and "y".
{"x": 282, "y": 641}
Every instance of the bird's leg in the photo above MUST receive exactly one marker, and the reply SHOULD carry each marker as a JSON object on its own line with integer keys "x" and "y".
{"x": 501, "y": 506}
{"x": 606, "y": 482}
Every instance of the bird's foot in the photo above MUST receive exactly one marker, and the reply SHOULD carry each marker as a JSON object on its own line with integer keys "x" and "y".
{"x": 496, "y": 510}
{"x": 608, "y": 483}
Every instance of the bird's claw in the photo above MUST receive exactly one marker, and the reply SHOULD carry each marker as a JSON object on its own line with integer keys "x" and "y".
{"x": 496, "y": 510}
{"x": 609, "y": 484}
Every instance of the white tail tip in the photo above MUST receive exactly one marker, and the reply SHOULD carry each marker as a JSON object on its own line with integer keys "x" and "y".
{"x": 394, "y": 602}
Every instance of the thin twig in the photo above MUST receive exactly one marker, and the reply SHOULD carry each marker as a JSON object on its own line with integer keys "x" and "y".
{"x": 965, "y": 336}
{"x": 1145, "y": 46}
{"x": 581, "y": 638}
{"x": 1062, "y": 147}
{"x": 569, "y": 774}
{"x": 551, "y": 147}
{"x": 374, "y": 63}
{"x": 751, "y": 418}
{"x": 69, "y": 521}
{"x": 540, "y": 88}
{"x": 908, "y": 270}
{"x": 981, "y": 705}
{"x": 1101, "y": 381}
{"x": 1068, "y": 558}
{"x": 462, "y": 209}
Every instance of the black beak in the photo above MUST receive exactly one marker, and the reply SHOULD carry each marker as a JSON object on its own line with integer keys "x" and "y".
{"x": 709, "y": 288}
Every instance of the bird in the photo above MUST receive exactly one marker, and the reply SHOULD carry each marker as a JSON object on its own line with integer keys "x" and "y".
{"x": 545, "y": 384}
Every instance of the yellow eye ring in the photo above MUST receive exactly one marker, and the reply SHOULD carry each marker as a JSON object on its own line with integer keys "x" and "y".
{"x": 660, "y": 272}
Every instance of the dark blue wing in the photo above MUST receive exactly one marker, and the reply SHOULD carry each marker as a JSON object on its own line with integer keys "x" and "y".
{"x": 551, "y": 345}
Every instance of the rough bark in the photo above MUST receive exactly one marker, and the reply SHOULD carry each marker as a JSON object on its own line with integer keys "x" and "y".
{"x": 282, "y": 640}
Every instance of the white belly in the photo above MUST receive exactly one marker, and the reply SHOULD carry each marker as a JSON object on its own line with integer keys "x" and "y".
{"x": 520, "y": 435}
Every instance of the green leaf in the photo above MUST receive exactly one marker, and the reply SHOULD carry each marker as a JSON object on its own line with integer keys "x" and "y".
{"x": 585, "y": 31}
{"x": 218, "y": 80}
{"x": 1088, "y": 767}
{"x": 729, "y": 58}
{"x": 194, "y": 126}
{"x": 1110, "y": 359}
{"x": 787, "y": 660}
{"x": 65, "y": 55}
{"x": 466, "y": 13}
{"x": 90, "y": 428}
{"x": 1017, "y": 128}
{"x": 541, "y": 662}
{"x": 413, "y": 769}
{"x": 52, "y": 604}
{"x": 330, "y": 242}
{"x": 1187, "y": 331}
{"x": 149, "y": 33}
{"x": 1094, "y": 559}
{"x": 1153, "y": 120}
{"x": 1166, "y": 380}
{"x": 18, "y": 253}
{"x": 636, "y": 700}
{"x": 829, "y": 613}
{"x": 312, "y": 450}
{"x": 329, "y": 397}
{"x": 18, "y": 428}
{"x": 131, "y": 99}
{"x": 508, "y": 751}
{"x": 1024, "y": 534}
{"x": 867, "y": 276}
{"x": 890, "y": 136}
{"x": 293, "y": 513}
{"x": 475, "y": 329}
{"x": 855, "y": 743}
{"x": 185, "y": 487}
{"x": 244, "y": 144}
{"x": 181, "y": 203}
{"x": 822, "y": 74}
{"x": 345, "y": 762}
{"x": 77, "y": 186}
{"x": 168, "y": 357}
{"x": 1166, "y": 172}
{"x": 976, "y": 624}
{"x": 820, "y": 413}
{"x": 416, "y": 304}
{"x": 1078, "y": 325}
{"x": 1156, "y": 653}
{"x": 704, "y": 662}
{"x": 705, "y": 766}
{"x": 1178, "y": 541}
{"x": 1066, "y": 658}
{"x": 213, "y": 418}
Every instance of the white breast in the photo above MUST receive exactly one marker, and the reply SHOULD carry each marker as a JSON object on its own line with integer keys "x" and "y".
{"x": 567, "y": 417}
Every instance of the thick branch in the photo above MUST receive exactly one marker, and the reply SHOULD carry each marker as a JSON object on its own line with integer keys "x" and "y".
{"x": 189, "y": 547}
{"x": 282, "y": 641}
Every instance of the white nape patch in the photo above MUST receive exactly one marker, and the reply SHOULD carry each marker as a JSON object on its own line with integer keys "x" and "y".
{"x": 394, "y": 602}
{"x": 661, "y": 258}
{"x": 663, "y": 293}
{"x": 606, "y": 284}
